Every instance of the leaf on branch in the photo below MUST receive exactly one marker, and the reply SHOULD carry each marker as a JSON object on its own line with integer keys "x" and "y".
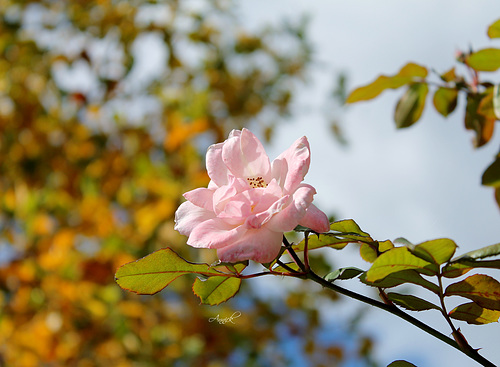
{"x": 401, "y": 363}
{"x": 487, "y": 59}
{"x": 449, "y": 76}
{"x": 494, "y": 30}
{"x": 343, "y": 274}
{"x": 397, "y": 259}
{"x": 291, "y": 265}
{"x": 462, "y": 266}
{"x": 402, "y": 277}
{"x": 411, "y": 105}
{"x": 370, "y": 251}
{"x": 481, "y": 289}
{"x": 235, "y": 268}
{"x": 435, "y": 251}
{"x": 216, "y": 289}
{"x": 410, "y": 302}
{"x": 154, "y": 272}
{"x": 445, "y": 100}
{"x": 491, "y": 177}
{"x": 481, "y": 253}
{"x": 408, "y": 74}
{"x": 340, "y": 235}
{"x": 496, "y": 101}
{"x": 474, "y": 314}
{"x": 475, "y": 120}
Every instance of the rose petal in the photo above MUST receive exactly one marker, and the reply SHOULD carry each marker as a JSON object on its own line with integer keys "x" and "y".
{"x": 201, "y": 197}
{"x": 244, "y": 155}
{"x": 215, "y": 233}
{"x": 216, "y": 169}
{"x": 289, "y": 218}
{"x": 189, "y": 216}
{"x": 315, "y": 219}
{"x": 260, "y": 245}
{"x": 292, "y": 165}
{"x": 258, "y": 220}
{"x": 227, "y": 192}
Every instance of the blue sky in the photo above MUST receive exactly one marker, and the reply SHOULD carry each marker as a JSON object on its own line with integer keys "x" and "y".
{"x": 419, "y": 183}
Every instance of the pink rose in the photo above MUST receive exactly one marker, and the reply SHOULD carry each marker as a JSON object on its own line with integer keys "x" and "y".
{"x": 250, "y": 202}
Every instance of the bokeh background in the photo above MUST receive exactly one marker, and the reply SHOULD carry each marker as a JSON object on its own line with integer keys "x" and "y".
{"x": 106, "y": 110}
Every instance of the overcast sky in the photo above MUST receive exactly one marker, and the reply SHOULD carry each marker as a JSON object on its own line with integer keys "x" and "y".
{"x": 419, "y": 183}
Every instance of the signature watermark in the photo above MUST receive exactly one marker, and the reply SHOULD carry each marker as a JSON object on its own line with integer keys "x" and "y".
{"x": 225, "y": 320}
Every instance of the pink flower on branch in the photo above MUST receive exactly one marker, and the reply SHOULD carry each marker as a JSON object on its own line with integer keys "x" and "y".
{"x": 250, "y": 202}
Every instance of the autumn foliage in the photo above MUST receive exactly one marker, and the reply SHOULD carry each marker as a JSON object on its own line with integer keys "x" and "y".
{"x": 94, "y": 158}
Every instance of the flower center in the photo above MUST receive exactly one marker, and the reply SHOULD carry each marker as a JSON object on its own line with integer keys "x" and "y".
{"x": 256, "y": 182}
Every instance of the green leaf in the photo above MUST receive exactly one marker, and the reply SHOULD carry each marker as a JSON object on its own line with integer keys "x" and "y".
{"x": 343, "y": 274}
{"x": 487, "y": 59}
{"x": 340, "y": 235}
{"x": 411, "y": 303}
{"x": 494, "y": 30}
{"x": 370, "y": 251}
{"x": 411, "y": 105}
{"x": 401, "y": 363}
{"x": 397, "y": 259}
{"x": 291, "y": 265}
{"x": 482, "y": 289}
{"x": 154, "y": 272}
{"x": 481, "y": 253}
{"x": 436, "y": 251}
{"x": 402, "y": 277}
{"x": 462, "y": 266}
{"x": 216, "y": 289}
{"x": 496, "y": 101}
{"x": 474, "y": 120}
{"x": 445, "y": 100}
{"x": 407, "y": 74}
{"x": 474, "y": 314}
{"x": 491, "y": 177}
{"x": 449, "y": 76}
{"x": 235, "y": 268}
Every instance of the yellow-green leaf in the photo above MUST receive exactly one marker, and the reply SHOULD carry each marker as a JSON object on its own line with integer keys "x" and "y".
{"x": 154, "y": 272}
{"x": 496, "y": 101}
{"x": 411, "y": 105}
{"x": 494, "y": 30}
{"x": 402, "y": 277}
{"x": 436, "y": 251}
{"x": 369, "y": 251}
{"x": 341, "y": 233}
{"x": 343, "y": 274}
{"x": 480, "y": 253}
{"x": 397, "y": 259}
{"x": 491, "y": 177}
{"x": 462, "y": 266}
{"x": 216, "y": 289}
{"x": 449, "y": 76}
{"x": 408, "y": 73}
{"x": 481, "y": 124}
{"x": 411, "y": 303}
{"x": 487, "y": 59}
{"x": 445, "y": 100}
{"x": 482, "y": 289}
{"x": 474, "y": 314}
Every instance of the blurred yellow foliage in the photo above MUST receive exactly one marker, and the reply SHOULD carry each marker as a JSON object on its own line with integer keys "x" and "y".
{"x": 94, "y": 159}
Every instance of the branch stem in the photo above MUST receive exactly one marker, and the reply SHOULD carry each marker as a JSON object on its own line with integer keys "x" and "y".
{"x": 459, "y": 344}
